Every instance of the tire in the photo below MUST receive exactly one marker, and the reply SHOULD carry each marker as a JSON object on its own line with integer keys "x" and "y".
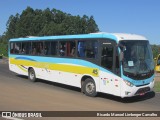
{"x": 89, "y": 87}
{"x": 32, "y": 75}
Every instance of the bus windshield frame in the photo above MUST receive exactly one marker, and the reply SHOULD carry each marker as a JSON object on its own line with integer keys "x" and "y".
{"x": 137, "y": 61}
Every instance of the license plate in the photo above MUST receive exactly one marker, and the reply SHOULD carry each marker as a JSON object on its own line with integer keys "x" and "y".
{"x": 141, "y": 94}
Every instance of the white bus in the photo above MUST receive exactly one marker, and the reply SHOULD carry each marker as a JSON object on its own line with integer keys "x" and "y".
{"x": 117, "y": 64}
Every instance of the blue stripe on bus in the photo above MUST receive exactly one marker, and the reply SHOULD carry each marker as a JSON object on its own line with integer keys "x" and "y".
{"x": 138, "y": 82}
{"x": 110, "y": 36}
{"x": 25, "y": 58}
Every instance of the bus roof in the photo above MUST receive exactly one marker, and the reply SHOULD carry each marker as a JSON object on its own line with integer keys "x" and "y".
{"x": 124, "y": 36}
{"x": 115, "y": 36}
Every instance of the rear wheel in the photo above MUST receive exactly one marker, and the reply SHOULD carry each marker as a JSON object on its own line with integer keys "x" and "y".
{"x": 89, "y": 87}
{"x": 32, "y": 75}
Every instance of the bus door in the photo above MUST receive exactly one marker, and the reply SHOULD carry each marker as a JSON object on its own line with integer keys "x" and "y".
{"x": 109, "y": 79}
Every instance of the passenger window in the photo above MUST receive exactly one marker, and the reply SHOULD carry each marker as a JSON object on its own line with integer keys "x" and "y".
{"x": 88, "y": 49}
{"x": 50, "y": 48}
{"x": 47, "y": 50}
{"x": 26, "y": 48}
{"x": 15, "y": 48}
{"x": 107, "y": 56}
{"x": 62, "y": 48}
{"x": 71, "y": 48}
{"x": 54, "y": 48}
{"x": 38, "y": 48}
{"x": 12, "y": 47}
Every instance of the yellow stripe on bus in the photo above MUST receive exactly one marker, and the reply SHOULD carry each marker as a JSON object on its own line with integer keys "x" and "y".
{"x": 22, "y": 68}
{"x": 58, "y": 67}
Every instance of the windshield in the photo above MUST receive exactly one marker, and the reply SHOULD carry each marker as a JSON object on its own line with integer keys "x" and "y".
{"x": 137, "y": 59}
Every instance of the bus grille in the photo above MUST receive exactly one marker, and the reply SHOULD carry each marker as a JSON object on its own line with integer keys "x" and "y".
{"x": 142, "y": 90}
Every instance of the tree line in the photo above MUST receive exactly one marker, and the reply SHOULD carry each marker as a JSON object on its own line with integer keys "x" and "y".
{"x": 155, "y": 50}
{"x": 45, "y": 22}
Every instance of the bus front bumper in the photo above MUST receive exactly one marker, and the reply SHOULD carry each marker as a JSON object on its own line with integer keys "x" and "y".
{"x": 129, "y": 91}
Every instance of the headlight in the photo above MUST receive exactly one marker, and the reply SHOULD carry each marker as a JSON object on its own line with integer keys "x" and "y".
{"x": 128, "y": 83}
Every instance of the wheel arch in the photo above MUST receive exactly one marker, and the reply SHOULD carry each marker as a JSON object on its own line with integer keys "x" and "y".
{"x": 84, "y": 77}
{"x": 30, "y": 68}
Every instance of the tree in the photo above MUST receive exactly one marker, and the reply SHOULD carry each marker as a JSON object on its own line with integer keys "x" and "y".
{"x": 92, "y": 26}
{"x": 155, "y": 50}
{"x": 12, "y": 26}
{"x": 46, "y": 22}
{"x": 25, "y": 26}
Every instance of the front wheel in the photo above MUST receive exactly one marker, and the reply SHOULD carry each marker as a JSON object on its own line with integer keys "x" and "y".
{"x": 32, "y": 75}
{"x": 89, "y": 87}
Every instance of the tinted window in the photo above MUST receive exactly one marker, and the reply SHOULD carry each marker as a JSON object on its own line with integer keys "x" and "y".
{"x": 70, "y": 46}
{"x": 62, "y": 48}
{"x": 26, "y": 48}
{"x": 88, "y": 49}
{"x": 38, "y": 48}
{"x": 50, "y": 47}
{"x": 15, "y": 48}
{"x": 107, "y": 56}
{"x": 54, "y": 48}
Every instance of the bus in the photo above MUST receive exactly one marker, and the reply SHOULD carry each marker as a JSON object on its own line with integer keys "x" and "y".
{"x": 119, "y": 64}
{"x": 157, "y": 63}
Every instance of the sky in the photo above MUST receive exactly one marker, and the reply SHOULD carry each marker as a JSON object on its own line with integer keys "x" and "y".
{"x": 114, "y": 16}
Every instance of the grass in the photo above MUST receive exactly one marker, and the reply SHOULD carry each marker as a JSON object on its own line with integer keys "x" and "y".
{"x": 157, "y": 86}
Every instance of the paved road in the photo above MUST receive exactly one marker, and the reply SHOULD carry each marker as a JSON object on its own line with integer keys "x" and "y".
{"x": 17, "y": 93}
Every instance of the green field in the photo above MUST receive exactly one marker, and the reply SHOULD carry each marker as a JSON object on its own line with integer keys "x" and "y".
{"x": 157, "y": 86}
